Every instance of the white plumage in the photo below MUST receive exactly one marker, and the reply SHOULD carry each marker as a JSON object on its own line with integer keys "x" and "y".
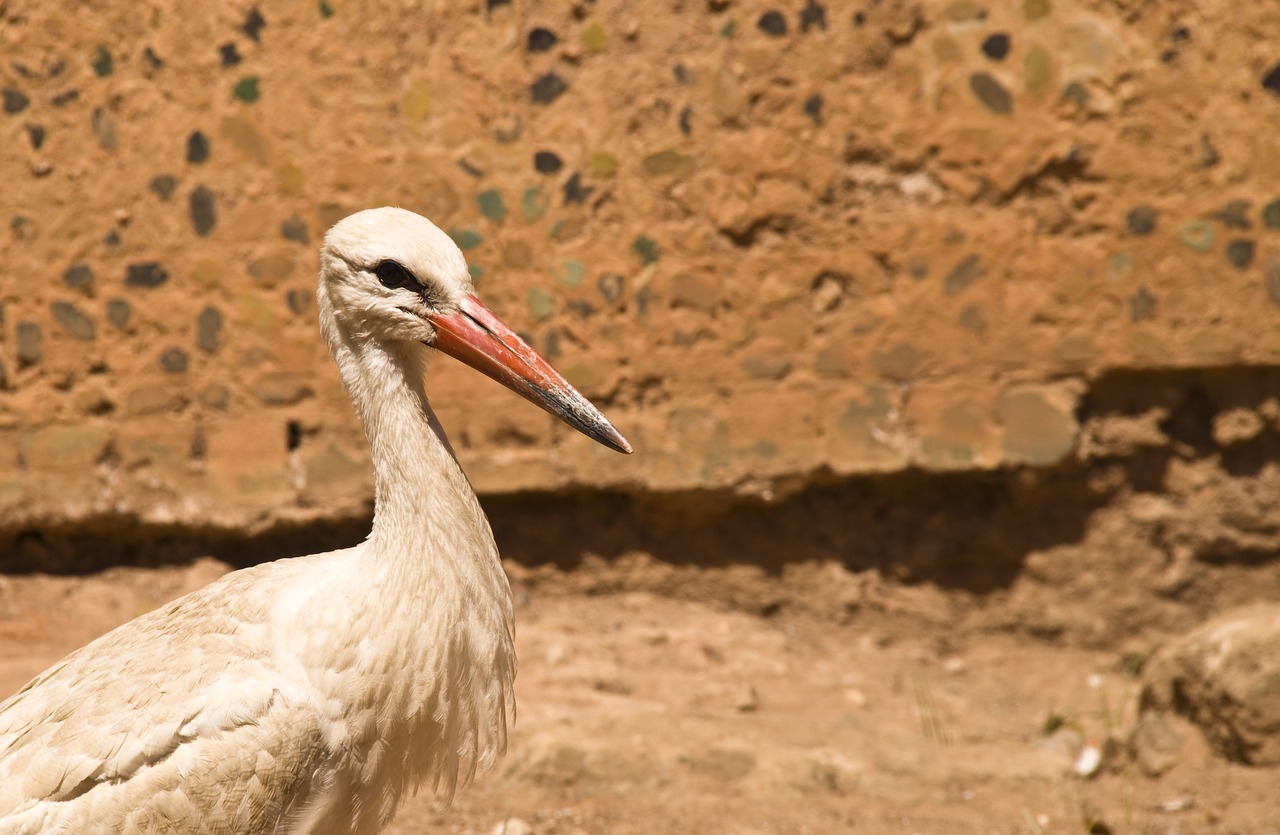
{"x": 307, "y": 695}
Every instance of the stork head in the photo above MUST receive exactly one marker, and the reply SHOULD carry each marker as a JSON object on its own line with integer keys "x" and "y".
{"x": 392, "y": 275}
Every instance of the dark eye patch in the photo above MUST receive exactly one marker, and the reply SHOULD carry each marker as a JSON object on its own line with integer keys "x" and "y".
{"x": 393, "y": 274}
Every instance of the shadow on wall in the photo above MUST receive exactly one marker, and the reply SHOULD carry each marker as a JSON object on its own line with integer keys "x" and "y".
{"x": 1151, "y": 417}
{"x": 960, "y": 530}
{"x": 969, "y": 531}
{"x": 106, "y": 542}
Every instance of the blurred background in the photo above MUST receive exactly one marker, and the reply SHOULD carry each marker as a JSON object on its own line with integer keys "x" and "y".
{"x": 945, "y": 332}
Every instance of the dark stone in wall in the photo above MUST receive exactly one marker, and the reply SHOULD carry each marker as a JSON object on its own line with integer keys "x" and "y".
{"x": 547, "y": 162}
{"x": 991, "y": 93}
{"x": 79, "y": 276}
{"x": 253, "y": 24}
{"x": 15, "y": 101}
{"x": 209, "y": 329}
{"x": 1271, "y": 215}
{"x": 772, "y": 23}
{"x": 174, "y": 361}
{"x": 1271, "y": 81}
{"x": 203, "y": 216}
{"x": 229, "y": 55}
{"x": 548, "y": 88}
{"x": 1235, "y": 215}
{"x": 967, "y": 271}
{"x": 813, "y": 16}
{"x": 163, "y": 186}
{"x": 145, "y": 274}
{"x": 1142, "y": 305}
{"x": 541, "y": 40}
{"x": 197, "y": 148}
{"x": 73, "y": 320}
{"x": 996, "y": 46}
{"x": 295, "y": 229}
{"x": 119, "y": 312}
{"x": 575, "y": 191}
{"x": 1141, "y": 220}
{"x": 104, "y": 63}
{"x": 298, "y": 300}
{"x": 30, "y": 338}
{"x": 1240, "y": 253}
{"x": 813, "y": 108}
{"x": 104, "y": 128}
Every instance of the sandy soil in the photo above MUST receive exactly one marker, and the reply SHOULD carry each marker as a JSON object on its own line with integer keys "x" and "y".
{"x": 643, "y": 713}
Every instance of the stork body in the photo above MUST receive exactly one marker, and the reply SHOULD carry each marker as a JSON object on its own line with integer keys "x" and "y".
{"x": 307, "y": 695}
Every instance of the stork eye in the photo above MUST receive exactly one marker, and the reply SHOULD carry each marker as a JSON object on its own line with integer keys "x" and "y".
{"x": 393, "y": 275}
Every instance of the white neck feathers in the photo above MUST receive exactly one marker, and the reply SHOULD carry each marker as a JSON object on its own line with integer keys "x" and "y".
{"x": 434, "y": 544}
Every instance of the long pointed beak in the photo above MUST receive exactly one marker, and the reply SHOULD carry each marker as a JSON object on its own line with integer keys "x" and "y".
{"x": 476, "y": 336}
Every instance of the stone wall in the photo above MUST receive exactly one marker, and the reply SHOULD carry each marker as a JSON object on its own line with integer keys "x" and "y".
{"x": 770, "y": 240}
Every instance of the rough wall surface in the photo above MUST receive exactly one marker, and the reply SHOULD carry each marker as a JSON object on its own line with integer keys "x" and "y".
{"x": 770, "y": 240}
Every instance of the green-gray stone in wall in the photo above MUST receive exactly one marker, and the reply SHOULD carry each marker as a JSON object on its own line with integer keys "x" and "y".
{"x": 492, "y": 205}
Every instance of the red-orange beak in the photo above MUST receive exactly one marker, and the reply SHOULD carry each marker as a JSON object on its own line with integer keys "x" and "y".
{"x": 475, "y": 335}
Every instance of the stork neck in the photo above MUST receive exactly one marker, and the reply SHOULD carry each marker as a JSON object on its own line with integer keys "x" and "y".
{"x": 431, "y": 576}
{"x": 420, "y": 490}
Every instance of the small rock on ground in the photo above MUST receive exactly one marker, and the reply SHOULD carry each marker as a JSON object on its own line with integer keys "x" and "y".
{"x": 1224, "y": 676}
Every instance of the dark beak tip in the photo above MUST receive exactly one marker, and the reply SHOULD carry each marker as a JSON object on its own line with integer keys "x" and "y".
{"x": 615, "y": 440}
{"x": 608, "y": 436}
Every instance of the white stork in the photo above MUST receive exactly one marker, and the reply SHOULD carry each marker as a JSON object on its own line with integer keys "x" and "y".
{"x": 308, "y": 695}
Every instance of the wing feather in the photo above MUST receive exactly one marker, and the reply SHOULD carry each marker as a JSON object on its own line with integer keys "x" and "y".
{"x": 143, "y": 726}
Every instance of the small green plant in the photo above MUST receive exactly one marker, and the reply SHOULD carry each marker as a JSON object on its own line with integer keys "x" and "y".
{"x": 1053, "y": 723}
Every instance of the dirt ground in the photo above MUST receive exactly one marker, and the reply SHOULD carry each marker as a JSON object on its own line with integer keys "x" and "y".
{"x": 642, "y": 712}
